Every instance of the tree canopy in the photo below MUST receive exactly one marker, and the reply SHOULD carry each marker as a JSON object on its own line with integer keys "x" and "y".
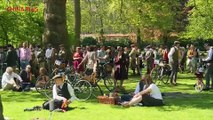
{"x": 151, "y": 20}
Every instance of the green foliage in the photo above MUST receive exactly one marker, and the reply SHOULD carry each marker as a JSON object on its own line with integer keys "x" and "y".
{"x": 126, "y": 16}
{"x": 87, "y": 41}
{"x": 189, "y": 105}
{"x": 117, "y": 42}
{"x": 153, "y": 18}
{"x": 200, "y": 20}
{"x": 18, "y": 26}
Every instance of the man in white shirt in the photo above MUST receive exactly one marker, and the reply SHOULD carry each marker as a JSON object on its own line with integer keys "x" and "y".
{"x": 102, "y": 55}
{"x": 49, "y": 57}
{"x": 173, "y": 56}
{"x": 209, "y": 68}
{"x": 8, "y": 79}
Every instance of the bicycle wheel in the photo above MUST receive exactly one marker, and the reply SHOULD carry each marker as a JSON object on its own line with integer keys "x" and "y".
{"x": 82, "y": 90}
{"x": 165, "y": 79}
{"x": 109, "y": 83}
{"x": 96, "y": 91}
{"x": 154, "y": 75}
{"x": 199, "y": 86}
{"x": 166, "y": 76}
{"x": 48, "y": 89}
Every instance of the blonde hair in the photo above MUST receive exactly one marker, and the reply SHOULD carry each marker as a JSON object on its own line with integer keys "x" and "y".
{"x": 9, "y": 69}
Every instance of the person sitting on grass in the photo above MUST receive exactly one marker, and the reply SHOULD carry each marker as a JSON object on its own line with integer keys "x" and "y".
{"x": 138, "y": 88}
{"x": 26, "y": 76}
{"x": 11, "y": 80}
{"x": 63, "y": 93}
{"x": 42, "y": 78}
{"x": 150, "y": 96}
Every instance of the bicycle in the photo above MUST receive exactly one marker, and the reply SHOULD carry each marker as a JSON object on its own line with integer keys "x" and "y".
{"x": 104, "y": 71}
{"x": 162, "y": 72}
{"x": 82, "y": 88}
{"x": 199, "y": 85}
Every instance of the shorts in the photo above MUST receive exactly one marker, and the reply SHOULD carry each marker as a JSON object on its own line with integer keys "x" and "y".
{"x": 150, "y": 101}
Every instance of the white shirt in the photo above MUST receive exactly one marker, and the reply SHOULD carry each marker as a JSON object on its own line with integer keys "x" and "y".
{"x": 170, "y": 54}
{"x": 70, "y": 89}
{"x": 102, "y": 56}
{"x": 91, "y": 59}
{"x": 6, "y": 78}
{"x": 210, "y": 52}
{"x": 48, "y": 53}
{"x": 155, "y": 92}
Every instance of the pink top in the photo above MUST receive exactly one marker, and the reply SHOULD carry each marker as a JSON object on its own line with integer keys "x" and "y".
{"x": 25, "y": 54}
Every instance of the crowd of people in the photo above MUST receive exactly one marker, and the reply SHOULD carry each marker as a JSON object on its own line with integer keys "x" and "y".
{"x": 35, "y": 61}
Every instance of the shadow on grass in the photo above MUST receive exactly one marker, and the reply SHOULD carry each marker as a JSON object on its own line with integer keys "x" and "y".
{"x": 10, "y": 96}
{"x": 183, "y": 101}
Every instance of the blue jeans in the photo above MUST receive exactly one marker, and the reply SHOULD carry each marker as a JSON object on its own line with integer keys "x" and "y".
{"x": 24, "y": 63}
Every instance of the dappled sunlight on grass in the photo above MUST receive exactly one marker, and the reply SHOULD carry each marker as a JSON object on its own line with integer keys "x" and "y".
{"x": 181, "y": 102}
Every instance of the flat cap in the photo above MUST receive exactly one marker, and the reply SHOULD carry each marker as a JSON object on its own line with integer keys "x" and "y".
{"x": 57, "y": 76}
{"x": 176, "y": 42}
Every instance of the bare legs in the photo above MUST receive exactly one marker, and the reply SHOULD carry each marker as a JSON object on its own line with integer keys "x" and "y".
{"x": 136, "y": 99}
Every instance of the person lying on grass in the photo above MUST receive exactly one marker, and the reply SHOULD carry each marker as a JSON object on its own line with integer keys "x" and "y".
{"x": 63, "y": 93}
{"x": 150, "y": 96}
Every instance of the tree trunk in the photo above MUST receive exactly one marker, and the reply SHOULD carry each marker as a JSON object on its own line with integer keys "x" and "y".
{"x": 77, "y": 7}
{"x": 55, "y": 23}
{"x": 139, "y": 42}
{"x": 1, "y": 110}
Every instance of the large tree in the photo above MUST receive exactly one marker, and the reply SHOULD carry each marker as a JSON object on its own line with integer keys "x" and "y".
{"x": 55, "y": 23}
{"x": 77, "y": 20}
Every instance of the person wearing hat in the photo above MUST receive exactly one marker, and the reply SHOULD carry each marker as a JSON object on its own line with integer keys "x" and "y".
{"x": 63, "y": 93}
{"x": 174, "y": 61}
{"x": 149, "y": 57}
{"x": 133, "y": 58}
{"x": 209, "y": 68}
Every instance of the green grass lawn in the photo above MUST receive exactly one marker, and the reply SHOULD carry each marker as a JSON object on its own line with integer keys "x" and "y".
{"x": 189, "y": 106}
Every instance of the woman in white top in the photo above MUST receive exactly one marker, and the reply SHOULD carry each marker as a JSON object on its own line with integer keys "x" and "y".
{"x": 91, "y": 59}
{"x": 150, "y": 96}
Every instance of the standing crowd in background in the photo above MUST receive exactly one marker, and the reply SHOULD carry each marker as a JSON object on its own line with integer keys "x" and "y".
{"x": 24, "y": 64}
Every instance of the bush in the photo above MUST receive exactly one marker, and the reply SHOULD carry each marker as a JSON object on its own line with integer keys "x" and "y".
{"x": 118, "y": 42}
{"x": 87, "y": 41}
